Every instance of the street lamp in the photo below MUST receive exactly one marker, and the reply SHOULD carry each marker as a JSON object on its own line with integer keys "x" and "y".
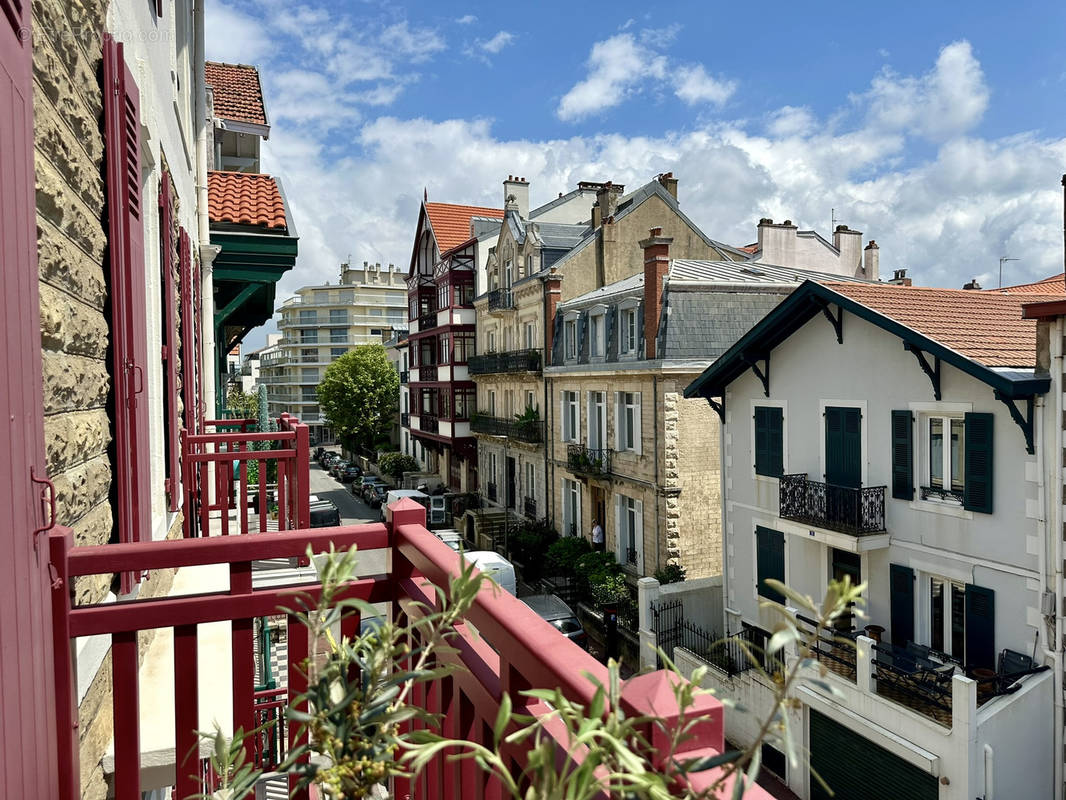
{"x": 1001, "y": 260}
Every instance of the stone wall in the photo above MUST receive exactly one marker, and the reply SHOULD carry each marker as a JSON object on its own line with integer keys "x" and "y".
{"x": 692, "y": 452}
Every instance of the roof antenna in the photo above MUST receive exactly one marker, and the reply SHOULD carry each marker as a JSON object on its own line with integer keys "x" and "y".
{"x": 832, "y": 219}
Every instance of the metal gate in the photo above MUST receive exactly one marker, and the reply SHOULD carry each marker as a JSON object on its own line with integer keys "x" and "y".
{"x": 666, "y": 619}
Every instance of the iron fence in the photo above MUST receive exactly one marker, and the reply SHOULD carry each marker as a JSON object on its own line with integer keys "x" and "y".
{"x": 500, "y": 300}
{"x": 733, "y": 654}
{"x": 583, "y": 460}
{"x": 531, "y": 431}
{"x": 858, "y": 510}
{"x": 509, "y": 361}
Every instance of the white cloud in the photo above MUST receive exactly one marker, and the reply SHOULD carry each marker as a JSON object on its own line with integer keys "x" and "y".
{"x": 948, "y": 100}
{"x": 616, "y": 67}
{"x": 693, "y": 85}
{"x": 626, "y": 64}
{"x": 417, "y": 43}
{"x": 466, "y": 19}
{"x": 233, "y": 36}
{"x": 497, "y": 42}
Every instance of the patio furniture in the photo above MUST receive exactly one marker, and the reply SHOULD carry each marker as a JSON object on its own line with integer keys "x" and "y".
{"x": 875, "y": 632}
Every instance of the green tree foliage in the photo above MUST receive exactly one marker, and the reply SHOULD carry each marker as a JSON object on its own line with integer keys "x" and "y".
{"x": 360, "y": 394}
{"x": 242, "y": 405}
{"x": 396, "y": 464}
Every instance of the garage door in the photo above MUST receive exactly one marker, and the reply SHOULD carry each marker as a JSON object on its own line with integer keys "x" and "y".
{"x": 857, "y": 769}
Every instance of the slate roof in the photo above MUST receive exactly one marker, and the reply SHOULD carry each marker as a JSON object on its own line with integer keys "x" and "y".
{"x": 237, "y": 92}
{"x": 451, "y": 223}
{"x": 245, "y": 199}
{"x": 748, "y": 272}
{"x": 986, "y": 327}
{"x": 701, "y": 326}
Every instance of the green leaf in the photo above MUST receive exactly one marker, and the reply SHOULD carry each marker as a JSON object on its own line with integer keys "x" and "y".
{"x": 503, "y": 716}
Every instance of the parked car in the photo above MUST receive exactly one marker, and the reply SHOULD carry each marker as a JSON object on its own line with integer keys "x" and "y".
{"x": 324, "y": 514}
{"x": 337, "y": 467}
{"x": 419, "y": 497}
{"x": 360, "y": 486}
{"x": 319, "y": 452}
{"x": 369, "y": 488}
{"x": 551, "y": 608}
{"x": 327, "y": 459}
{"x": 496, "y": 567}
{"x": 350, "y": 473}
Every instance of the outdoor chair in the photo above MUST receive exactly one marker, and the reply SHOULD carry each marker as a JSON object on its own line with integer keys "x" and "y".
{"x": 1011, "y": 666}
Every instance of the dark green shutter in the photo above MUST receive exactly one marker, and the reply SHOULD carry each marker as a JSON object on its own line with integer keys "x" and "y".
{"x": 901, "y": 603}
{"x": 843, "y": 446}
{"x": 977, "y": 495}
{"x": 769, "y": 444}
{"x": 902, "y": 455}
{"x": 980, "y": 627}
{"x": 770, "y": 561}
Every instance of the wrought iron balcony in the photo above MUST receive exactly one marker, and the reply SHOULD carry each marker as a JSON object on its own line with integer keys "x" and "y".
{"x": 531, "y": 431}
{"x": 583, "y": 460}
{"x": 529, "y": 507}
{"x": 857, "y": 511}
{"x": 427, "y": 373}
{"x": 500, "y": 300}
{"x": 510, "y": 361}
{"x": 428, "y": 423}
{"x": 427, "y": 321}
{"x": 404, "y": 375}
{"x": 405, "y": 419}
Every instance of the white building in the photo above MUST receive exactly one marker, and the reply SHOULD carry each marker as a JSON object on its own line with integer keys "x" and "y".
{"x": 887, "y": 433}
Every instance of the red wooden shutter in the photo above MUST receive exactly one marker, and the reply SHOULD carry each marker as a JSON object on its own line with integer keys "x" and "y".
{"x": 188, "y": 336}
{"x": 128, "y": 313}
{"x": 171, "y": 426}
{"x": 201, "y": 405}
{"x": 29, "y": 764}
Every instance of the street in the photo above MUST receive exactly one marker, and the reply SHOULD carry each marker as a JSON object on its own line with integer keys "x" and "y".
{"x": 326, "y": 487}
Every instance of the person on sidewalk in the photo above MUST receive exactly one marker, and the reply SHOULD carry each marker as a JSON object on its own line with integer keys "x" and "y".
{"x": 598, "y": 543}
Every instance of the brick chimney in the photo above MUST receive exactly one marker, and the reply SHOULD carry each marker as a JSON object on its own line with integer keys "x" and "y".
{"x": 669, "y": 182}
{"x": 553, "y": 291}
{"x": 656, "y": 264}
{"x": 871, "y": 261}
{"x": 517, "y": 188}
{"x": 899, "y": 278}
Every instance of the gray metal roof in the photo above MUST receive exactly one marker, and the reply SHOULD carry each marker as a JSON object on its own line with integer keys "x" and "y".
{"x": 703, "y": 325}
{"x": 748, "y": 272}
{"x": 622, "y": 288}
{"x": 560, "y": 234}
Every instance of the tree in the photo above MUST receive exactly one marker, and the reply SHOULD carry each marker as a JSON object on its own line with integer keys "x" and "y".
{"x": 360, "y": 394}
{"x": 243, "y": 405}
{"x": 396, "y": 464}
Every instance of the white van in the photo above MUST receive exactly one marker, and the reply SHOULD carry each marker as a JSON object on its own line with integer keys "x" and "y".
{"x": 496, "y": 567}
{"x": 450, "y": 537}
{"x": 396, "y": 494}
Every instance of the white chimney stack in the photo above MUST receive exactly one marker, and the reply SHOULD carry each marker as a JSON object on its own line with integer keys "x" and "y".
{"x": 516, "y": 195}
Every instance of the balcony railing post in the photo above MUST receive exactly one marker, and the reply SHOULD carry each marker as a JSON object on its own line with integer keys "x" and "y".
{"x": 297, "y": 679}
{"x": 186, "y": 711}
{"x": 67, "y": 744}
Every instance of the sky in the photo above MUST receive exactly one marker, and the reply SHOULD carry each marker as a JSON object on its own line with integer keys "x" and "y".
{"x": 938, "y": 130}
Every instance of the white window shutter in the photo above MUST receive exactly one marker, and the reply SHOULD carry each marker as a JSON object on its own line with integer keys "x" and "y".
{"x": 577, "y": 523}
{"x": 577, "y": 418}
{"x": 639, "y": 535}
{"x": 619, "y": 420}
{"x": 562, "y": 414}
{"x": 619, "y": 545}
{"x": 636, "y": 426}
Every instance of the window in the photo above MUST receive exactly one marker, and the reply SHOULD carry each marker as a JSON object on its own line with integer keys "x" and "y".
{"x": 571, "y": 413}
{"x": 376, "y": 312}
{"x": 309, "y": 374}
{"x": 957, "y": 459}
{"x": 338, "y": 316}
{"x": 492, "y": 469}
{"x": 445, "y": 400}
{"x": 628, "y": 334}
{"x": 464, "y": 347}
{"x": 769, "y": 441}
{"x": 375, "y": 331}
{"x": 395, "y": 314}
{"x": 347, "y": 296}
{"x": 769, "y": 562}
{"x": 529, "y": 265}
{"x": 570, "y": 338}
{"x": 337, "y": 352}
{"x": 627, "y": 421}
{"x": 490, "y": 342}
{"x": 321, "y": 298}
{"x": 508, "y": 274}
{"x": 529, "y": 336}
{"x": 445, "y": 350}
{"x": 463, "y": 293}
{"x": 596, "y": 328}
{"x": 405, "y": 362}
{"x": 629, "y": 531}
{"x": 597, "y": 422}
{"x": 531, "y": 473}
{"x": 308, "y": 394}
{"x": 465, "y": 403}
{"x": 308, "y": 318}
{"x": 531, "y": 399}
{"x": 571, "y": 507}
{"x": 962, "y": 621}
{"x": 492, "y": 403}
{"x": 945, "y": 473}
{"x": 338, "y": 334}
{"x": 308, "y": 337}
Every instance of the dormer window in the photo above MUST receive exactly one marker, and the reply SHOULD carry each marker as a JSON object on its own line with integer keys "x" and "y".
{"x": 570, "y": 339}
{"x": 597, "y": 329}
{"x": 628, "y": 329}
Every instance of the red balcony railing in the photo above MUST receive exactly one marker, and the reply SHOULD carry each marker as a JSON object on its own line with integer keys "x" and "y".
{"x": 513, "y": 650}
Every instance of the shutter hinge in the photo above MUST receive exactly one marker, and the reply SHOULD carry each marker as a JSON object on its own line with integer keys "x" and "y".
{"x": 165, "y": 352}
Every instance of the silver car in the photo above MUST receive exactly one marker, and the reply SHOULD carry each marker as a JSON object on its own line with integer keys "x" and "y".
{"x": 551, "y": 608}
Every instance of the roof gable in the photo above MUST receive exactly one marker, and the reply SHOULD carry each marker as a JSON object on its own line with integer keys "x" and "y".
{"x": 451, "y": 223}
{"x": 238, "y": 94}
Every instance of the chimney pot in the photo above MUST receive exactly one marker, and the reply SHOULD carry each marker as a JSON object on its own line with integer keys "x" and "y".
{"x": 656, "y": 264}
{"x": 766, "y": 221}
{"x": 842, "y": 227}
{"x": 787, "y": 222}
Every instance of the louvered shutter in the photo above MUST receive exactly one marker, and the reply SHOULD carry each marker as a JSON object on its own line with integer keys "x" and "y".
{"x": 901, "y": 603}
{"x": 128, "y": 297}
{"x": 637, "y": 440}
{"x": 583, "y": 337}
{"x": 980, "y": 627}
{"x": 769, "y": 441}
{"x": 619, "y": 421}
{"x": 198, "y": 327}
{"x": 977, "y": 494}
{"x": 638, "y": 534}
{"x": 902, "y": 455}
{"x": 641, "y": 351}
{"x": 769, "y": 561}
{"x": 171, "y": 428}
{"x": 556, "y": 354}
{"x": 188, "y": 333}
{"x": 611, "y": 334}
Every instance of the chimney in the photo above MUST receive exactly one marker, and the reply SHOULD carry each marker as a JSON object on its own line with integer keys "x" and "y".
{"x": 972, "y": 285}
{"x": 553, "y": 291}
{"x": 849, "y": 245}
{"x": 607, "y": 199}
{"x": 870, "y": 261}
{"x": 777, "y": 242}
{"x": 669, "y": 182}
{"x": 516, "y": 195}
{"x": 597, "y": 218}
{"x": 656, "y": 264}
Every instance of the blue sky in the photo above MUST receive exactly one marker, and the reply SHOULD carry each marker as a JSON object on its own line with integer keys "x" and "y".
{"x": 937, "y": 129}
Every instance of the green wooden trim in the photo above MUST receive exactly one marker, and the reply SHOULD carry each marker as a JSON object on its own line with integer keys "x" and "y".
{"x": 807, "y": 300}
{"x": 235, "y": 303}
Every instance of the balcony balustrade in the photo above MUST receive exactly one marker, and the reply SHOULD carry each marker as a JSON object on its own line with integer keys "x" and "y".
{"x": 427, "y": 374}
{"x": 427, "y": 321}
{"x": 529, "y": 507}
{"x": 501, "y": 300}
{"x": 428, "y": 423}
{"x": 582, "y": 460}
{"x": 405, "y": 419}
{"x": 857, "y": 511}
{"x": 531, "y": 431}
{"x": 510, "y": 361}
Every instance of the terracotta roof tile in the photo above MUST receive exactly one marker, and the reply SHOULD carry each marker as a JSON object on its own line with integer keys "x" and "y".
{"x": 1055, "y": 283}
{"x": 245, "y": 199}
{"x": 451, "y": 223}
{"x": 986, "y": 327}
{"x": 237, "y": 91}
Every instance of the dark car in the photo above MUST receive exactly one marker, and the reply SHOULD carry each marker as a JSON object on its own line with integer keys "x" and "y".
{"x": 369, "y": 487}
{"x": 350, "y": 473}
{"x": 551, "y": 608}
{"x": 376, "y": 494}
{"x": 327, "y": 459}
{"x": 324, "y": 514}
{"x": 337, "y": 467}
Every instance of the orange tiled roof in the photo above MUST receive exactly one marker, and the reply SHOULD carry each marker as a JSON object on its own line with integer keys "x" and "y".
{"x": 245, "y": 199}
{"x": 451, "y": 223}
{"x": 986, "y": 327}
{"x": 1055, "y": 283}
{"x": 238, "y": 93}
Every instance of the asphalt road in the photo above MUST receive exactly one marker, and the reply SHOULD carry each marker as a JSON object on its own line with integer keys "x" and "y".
{"x": 353, "y": 509}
